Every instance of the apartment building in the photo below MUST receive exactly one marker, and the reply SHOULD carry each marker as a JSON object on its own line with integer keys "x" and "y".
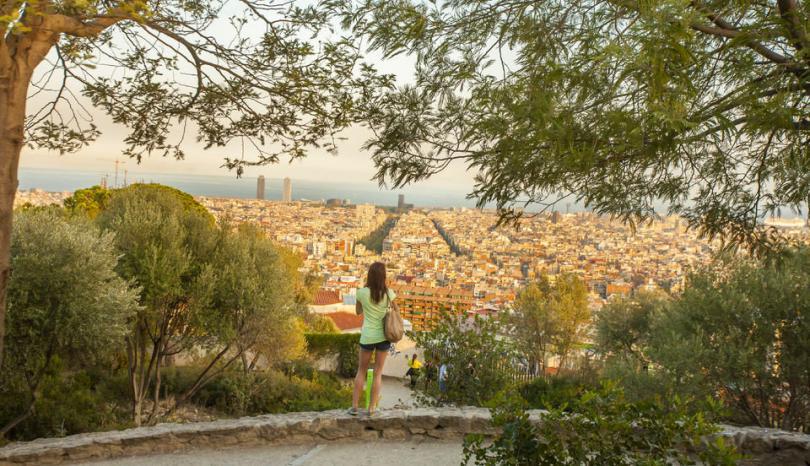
{"x": 424, "y": 306}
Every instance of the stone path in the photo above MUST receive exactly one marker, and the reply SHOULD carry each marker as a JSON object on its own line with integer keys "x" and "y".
{"x": 395, "y": 393}
{"x": 406, "y": 453}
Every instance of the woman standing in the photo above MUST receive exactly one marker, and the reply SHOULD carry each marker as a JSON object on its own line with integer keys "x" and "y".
{"x": 372, "y": 302}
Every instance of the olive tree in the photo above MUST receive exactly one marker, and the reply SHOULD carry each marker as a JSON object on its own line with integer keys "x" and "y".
{"x": 252, "y": 301}
{"x": 166, "y": 248}
{"x": 66, "y": 303}
{"x": 624, "y": 327}
{"x": 740, "y": 331}
{"x": 254, "y": 79}
{"x": 213, "y": 294}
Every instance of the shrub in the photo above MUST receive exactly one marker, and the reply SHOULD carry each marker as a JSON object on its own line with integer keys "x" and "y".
{"x": 557, "y": 392}
{"x": 344, "y": 345}
{"x": 298, "y": 368}
{"x": 316, "y": 323}
{"x": 240, "y": 394}
{"x": 479, "y": 362}
{"x": 68, "y": 404}
{"x": 602, "y": 428}
{"x": 67, "y": 307}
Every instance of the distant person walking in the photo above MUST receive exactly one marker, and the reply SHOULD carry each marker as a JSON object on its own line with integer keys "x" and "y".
{"x": 372, "y": 303}
{"x": 414, "y": 368}
{"x": 442, "y": 380}
{"x": 430, "y": 372}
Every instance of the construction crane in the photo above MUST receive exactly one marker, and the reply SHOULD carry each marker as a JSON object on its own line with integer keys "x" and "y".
{"x": 118, "y": 162}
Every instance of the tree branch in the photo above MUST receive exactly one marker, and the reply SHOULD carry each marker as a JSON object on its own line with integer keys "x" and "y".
{"x": 745, "y": 38}
{"x": 75, "y": 27}
{"x": 787, "y": 10}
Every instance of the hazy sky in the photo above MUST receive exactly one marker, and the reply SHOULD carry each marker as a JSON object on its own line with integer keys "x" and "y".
{"x": 350, "y": 164}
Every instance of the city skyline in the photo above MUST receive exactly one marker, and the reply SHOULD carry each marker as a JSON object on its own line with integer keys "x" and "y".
{"x": 246, "y": 187}
{"x": 460, "y": 258}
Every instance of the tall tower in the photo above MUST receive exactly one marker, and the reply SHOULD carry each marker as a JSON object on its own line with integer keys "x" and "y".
{"x": 401, "y": 202}
{"x": 260, "y": 187}
{"x": 286, "y": 193}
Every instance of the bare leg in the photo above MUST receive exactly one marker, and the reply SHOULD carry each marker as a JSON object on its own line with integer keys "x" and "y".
{"x": 379, "y": 363}
{"x": 360, "y": 378}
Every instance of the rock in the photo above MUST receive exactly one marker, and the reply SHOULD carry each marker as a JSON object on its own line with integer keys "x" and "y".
{"x": 395, "y": 434}
{"x": 369, "y": 435}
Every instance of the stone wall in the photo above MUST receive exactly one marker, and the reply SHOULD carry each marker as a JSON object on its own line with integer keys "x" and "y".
{"x": 766, "y": 446}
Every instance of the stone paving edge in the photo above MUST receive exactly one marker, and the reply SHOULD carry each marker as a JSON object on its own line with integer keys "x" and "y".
{"x": 763, "y": 446}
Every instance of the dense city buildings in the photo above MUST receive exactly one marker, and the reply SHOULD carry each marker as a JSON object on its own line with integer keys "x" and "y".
{"x": 461, "y": 260}
{"x": 38, "y": 197}
{"x": 260, "y": 187}
{"x": 424, "y": 306}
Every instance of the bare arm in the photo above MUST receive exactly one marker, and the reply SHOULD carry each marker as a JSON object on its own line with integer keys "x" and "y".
{"x": 358, "y": 308}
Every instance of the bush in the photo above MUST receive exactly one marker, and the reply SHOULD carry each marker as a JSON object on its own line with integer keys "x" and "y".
{"x": 316, "y": 323}
{"x": 557, "y": 392}
{"x": 344, "y": 345}
{"x": 479, "y": 362}
{"x": 67, "y": 311}
{"x": 602, "y": 428}
{"x": 236, "y": 393}
{"x": 300, "y": 368}
{"x": 241, "y": 394}
{"x": 67, "y": 404}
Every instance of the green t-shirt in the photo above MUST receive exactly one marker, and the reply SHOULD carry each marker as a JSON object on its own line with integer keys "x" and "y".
{"x": 373, "y": 313}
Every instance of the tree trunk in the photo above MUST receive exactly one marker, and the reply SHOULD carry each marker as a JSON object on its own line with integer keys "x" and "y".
{"x": 156, "y": 397}
{"x": 16, "y": 421}
{"x": 204, "y": 377}
{"x": 245, "y": 363}
{"x": 140, "y": 374}
{"x": 19, "y": 56}
{"x": 13, "y": 92}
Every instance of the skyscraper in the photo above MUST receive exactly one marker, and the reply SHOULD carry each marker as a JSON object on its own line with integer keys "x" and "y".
{"x": 260, "y": 187}
{"x": 286, "y": 193}
{"x": 401, "y": 202}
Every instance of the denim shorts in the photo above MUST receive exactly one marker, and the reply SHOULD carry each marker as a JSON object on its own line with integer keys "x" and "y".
{"x": 384, "y": 345}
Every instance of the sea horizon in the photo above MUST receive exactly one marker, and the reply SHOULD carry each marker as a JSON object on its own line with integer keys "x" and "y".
{"x": 224, "y": 186}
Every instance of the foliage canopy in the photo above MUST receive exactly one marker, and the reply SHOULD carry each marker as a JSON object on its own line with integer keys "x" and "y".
{"x": 626, "y": 106}
{"x": 738, "y": 332}
{"x": 600, "y": 428}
